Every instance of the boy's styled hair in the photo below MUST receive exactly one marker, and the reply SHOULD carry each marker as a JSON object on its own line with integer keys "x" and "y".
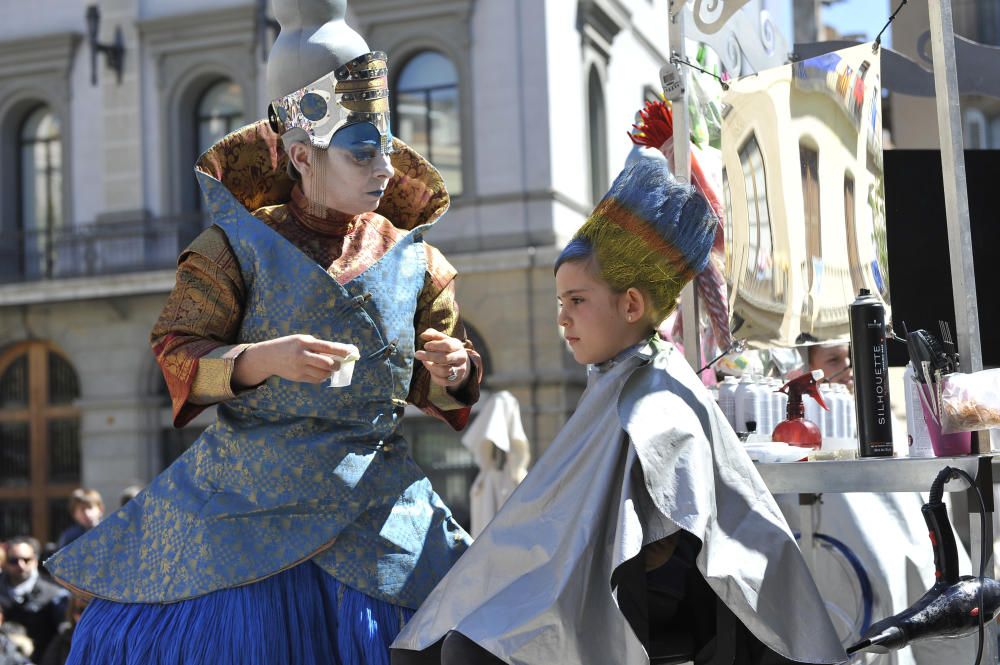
{"x": 648, "y": 232}
{"x": 85, "y": 497}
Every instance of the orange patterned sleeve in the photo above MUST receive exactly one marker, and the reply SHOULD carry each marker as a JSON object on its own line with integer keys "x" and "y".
{"x": 194, "y": 338}
{"x": 438, "y": 309}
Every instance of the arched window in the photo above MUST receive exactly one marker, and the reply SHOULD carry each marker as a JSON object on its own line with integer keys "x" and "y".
{"x": 809, "y": 169}
{"x": 987, "y": 21}
{"x": 218, "y": 112}
{"x": 975, "y": 130}
{"x": 727, "y": 199}
{"x": 760, "y": 268}
{"x": 40, "y": 201}
{"x": 209, "y": 112}
{"x": 427, "y": 116}
{"x": 853, "y": 256}
{"x": 40, "y": 433}
{"x": 598, "y": 136}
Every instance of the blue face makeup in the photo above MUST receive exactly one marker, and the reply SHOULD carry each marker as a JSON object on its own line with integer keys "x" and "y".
{"x": 361, "y": 139}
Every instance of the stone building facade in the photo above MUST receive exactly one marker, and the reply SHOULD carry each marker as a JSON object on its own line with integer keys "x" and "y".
{"x": 523, "y": 105}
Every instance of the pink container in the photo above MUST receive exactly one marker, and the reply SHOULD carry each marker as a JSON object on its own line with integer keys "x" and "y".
{"x": 945, "y": 445}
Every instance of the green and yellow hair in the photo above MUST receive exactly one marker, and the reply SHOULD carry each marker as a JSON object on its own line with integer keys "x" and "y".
{"x": 648, "y": 232}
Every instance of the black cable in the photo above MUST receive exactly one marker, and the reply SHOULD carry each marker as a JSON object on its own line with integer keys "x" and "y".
{"x": 676, "y": 59}
{"x": 982, "y": 551}
{"x": 830, "y": 379}
{"x": 878, "y": 38}
{"x": 937, "y": 487}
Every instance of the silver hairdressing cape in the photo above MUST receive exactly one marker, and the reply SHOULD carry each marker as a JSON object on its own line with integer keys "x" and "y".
{"x": 535, "y": 587}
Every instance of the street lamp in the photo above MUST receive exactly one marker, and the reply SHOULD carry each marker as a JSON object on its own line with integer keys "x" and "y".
{"x": 114, "y": 53}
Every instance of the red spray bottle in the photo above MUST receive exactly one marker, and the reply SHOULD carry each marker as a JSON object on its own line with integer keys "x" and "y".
{"x": 795, "y": 429}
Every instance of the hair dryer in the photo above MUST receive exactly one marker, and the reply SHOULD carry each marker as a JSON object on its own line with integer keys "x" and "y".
{"x": 949, "y": 609}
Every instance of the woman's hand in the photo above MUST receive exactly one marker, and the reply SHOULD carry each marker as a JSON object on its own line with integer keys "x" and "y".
{"x": 294, "y": 357}
{"x": 445, "y": 358}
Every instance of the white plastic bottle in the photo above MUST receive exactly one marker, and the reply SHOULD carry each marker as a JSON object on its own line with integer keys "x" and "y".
{"x": 828, "y": 419}
{"x": 727, "y": 399}
{"x": 761, "y": 406}
{"x": 770, "y": 404}
{"x": 744, "y": 403}
{"x": 917, "y": 435}
{"x": 836, "y": 405}
{"x": 832, "y": 398}
{"x": 844, "y": 405}
{"x": 774, "y": 413}
{"x": 852, "y": 417}
{"x": 779, "y": 403}
{"x": 814, "y": 412}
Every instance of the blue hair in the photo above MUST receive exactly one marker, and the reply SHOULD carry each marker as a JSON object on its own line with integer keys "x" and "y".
{"x": 578, "y": 250}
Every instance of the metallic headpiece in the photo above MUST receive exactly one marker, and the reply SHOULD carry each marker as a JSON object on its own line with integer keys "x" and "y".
{"x": 355, "y": 92}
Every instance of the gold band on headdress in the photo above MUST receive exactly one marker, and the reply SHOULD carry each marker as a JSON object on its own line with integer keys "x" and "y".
{"x": 357, "y": 91}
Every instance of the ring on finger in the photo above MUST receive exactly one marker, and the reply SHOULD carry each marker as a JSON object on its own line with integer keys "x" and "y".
{"x": 452, "y": 374}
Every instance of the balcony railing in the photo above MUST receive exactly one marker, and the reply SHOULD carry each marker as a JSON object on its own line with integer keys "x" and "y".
{"x": 97, "y": 249}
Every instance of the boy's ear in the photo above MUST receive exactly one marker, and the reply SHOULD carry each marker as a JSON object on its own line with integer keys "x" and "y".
{"x": 300, "y": 156}
{"x": 633, "y": 305}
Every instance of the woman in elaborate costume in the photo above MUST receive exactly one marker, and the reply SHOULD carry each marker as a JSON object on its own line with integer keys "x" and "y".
{"x": 297, "y": 529}
{"x": 645, "y": 514}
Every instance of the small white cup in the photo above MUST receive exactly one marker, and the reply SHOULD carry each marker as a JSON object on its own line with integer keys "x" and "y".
{"x": 342, "y": 377}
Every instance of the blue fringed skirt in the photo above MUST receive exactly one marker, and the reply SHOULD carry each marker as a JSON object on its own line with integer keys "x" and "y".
{"x": 301, "y": 616}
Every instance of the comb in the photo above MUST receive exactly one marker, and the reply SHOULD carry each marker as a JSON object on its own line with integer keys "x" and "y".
{"x": 925, "y": 348}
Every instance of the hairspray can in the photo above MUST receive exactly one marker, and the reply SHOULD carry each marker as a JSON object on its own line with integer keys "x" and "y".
{"x": 871, "y": 379}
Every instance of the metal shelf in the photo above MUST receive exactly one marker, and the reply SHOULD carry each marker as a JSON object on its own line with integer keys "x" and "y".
{"x": 865, "y": 475}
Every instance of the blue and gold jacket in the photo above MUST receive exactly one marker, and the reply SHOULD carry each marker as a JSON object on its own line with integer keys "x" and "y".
{"x": 290, "y": 471}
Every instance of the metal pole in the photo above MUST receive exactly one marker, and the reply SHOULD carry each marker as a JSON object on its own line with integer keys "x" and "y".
{"x": 956, "y": 197}
{"x": 682, "y": 171}
{"x": 963, "y": 276}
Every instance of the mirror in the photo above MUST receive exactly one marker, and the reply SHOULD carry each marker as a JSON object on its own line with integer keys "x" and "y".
{"x": 803, "y": 189}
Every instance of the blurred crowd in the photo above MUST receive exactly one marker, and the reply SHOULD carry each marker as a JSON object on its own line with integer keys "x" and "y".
{"x": 37, "y": 615}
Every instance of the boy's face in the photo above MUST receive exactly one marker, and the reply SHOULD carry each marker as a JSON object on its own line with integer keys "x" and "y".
{"x": 591, "y": 315}
{"x": 87, "y": 515}
{"x": 835, "y": 361}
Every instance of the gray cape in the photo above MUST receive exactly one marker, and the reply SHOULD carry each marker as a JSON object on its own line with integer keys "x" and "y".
{"x": 535, "y": 587}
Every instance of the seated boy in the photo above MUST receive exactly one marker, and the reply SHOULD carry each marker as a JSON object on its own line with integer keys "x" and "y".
{"x": 645, "y": 512}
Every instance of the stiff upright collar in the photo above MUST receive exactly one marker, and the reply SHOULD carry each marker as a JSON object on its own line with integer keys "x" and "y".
{"x": 251, "y": 164}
